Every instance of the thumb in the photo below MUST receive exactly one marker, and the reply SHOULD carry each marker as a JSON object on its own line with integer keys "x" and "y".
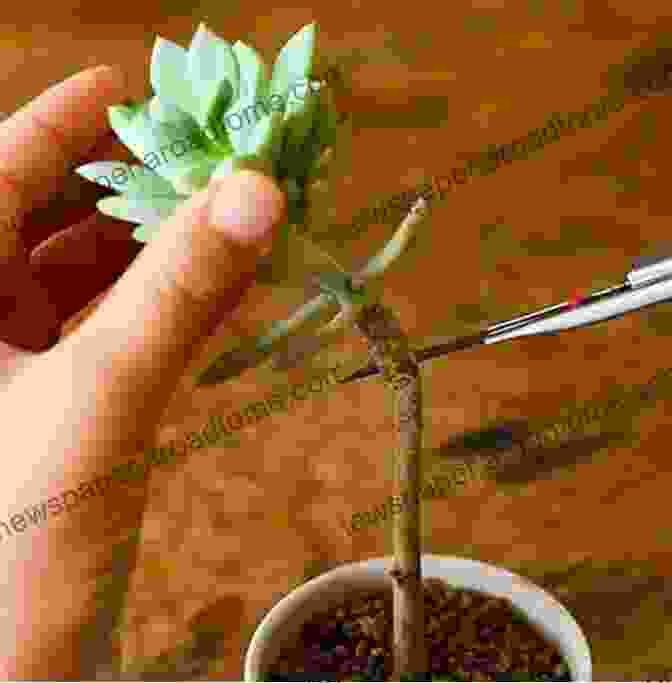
{"x": 181, "y": 285}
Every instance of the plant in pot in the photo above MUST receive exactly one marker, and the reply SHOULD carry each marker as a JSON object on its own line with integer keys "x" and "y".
{"x": 198, "y": 92}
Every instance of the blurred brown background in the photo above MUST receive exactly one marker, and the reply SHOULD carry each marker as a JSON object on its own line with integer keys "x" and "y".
{"x": 230, "y": 532}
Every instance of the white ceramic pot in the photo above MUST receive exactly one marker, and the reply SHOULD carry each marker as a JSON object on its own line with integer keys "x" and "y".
{"x": 283, "y": 623}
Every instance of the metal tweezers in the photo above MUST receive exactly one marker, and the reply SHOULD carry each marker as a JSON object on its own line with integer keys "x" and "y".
{"x": 649, "y": 282}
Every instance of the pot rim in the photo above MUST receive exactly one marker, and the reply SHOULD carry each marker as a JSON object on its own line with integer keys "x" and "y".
{"x": 540, "y": 607}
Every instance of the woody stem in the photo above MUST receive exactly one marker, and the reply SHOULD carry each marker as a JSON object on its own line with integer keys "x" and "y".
{"x": 390, "y": 351}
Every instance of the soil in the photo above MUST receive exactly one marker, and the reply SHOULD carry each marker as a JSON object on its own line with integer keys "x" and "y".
{"x": 470, "y": 636}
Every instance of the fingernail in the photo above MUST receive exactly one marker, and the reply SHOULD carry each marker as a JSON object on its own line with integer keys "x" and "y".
{"x": 246, "y": 206}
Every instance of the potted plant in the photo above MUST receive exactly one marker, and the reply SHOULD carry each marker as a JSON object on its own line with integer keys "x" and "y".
{"x": 455, "y": 580}
{"x": 185, "y": 136}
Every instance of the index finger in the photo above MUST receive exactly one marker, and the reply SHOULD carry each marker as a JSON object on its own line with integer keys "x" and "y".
{"x": 38, "y": 146}
{"x": 41, "y": 142}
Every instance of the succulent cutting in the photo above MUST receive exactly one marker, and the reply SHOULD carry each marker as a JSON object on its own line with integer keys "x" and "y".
{"x": 198, "y": 91}
{"x": 203, "y": 123}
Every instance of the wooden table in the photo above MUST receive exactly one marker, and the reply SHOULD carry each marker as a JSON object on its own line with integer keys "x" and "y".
{"x": 232, "y": 529}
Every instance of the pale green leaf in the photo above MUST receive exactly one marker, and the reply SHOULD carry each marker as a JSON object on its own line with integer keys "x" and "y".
{"x": 214, "y": 114}
{"x": 131, "y": 179}
{"x": 213, "y": 69}
{"x": 254, "y": 79}
{"x": 294, "y": 259}
{"x": 171, "y": 118}
{"x": 256, "y": 350}
{"x": 168, "y": 76}
{"x": 262, "y": 135}
{"x": 260, "y": 139}
{"x": 195, "y": 177}
{"x": 295, "y": 60}
{"x": 127, "y": 110}
{"x": 137, "y": 209}
{"x": 124, "y": 122}
{"x": 265, "y": 138}
{"x": 302, "y": 347}
{"x": 177, "y": 159}
{"x": 182, "y": 126}
{"x": 231, "y": 364}
{"x": 302, "y": 145}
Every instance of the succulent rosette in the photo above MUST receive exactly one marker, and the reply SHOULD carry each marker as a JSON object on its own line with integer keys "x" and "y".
{"x": 216, "y": 109}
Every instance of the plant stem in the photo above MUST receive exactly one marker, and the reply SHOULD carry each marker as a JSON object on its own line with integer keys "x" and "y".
{"x": 390, "y": 351}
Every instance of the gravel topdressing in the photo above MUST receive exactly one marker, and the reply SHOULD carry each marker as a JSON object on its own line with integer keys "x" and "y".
{"x": 470, "y": 637}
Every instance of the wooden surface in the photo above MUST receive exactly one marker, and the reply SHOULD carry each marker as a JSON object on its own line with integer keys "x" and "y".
{"x": 233, "y": 529}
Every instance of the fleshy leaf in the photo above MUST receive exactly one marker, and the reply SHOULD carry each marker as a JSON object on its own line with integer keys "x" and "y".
{"x": 175, "y": 159}
{"x": 213, "y": 69}
{"x": 261, "y": 137}
{"x": 253, "y": 351}
{"x": 124, "y": 122}
{"x": 302, "y": 347}
{"x": 303, "y": 60}
{"x": 300, "y": 115}
{"x": 214, "y": 116}
{"x": 168, "y": 76}
{"x": 302, "y": 118}
{"x": 295, "y": 61}
{"x": 182, "y": 126}
{"x": 136, "y": 131}
{"x": 254, "y": 81}
{"x": 196, "y": 177}
{"x": 266, "y": 137}
{"x": 137, "y": 209}
{"x": 180, "y": 137}
{"x": 171, "y": 118}
{"x": 294, "y": 259}
{"x": 126, "y": 178}
{"x": 128, "y": 110}
{"x": 231, "y": 364}
{"x": 299, "y": 350}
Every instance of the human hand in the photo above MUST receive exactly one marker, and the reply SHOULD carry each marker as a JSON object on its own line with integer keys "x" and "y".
{"x": 99, "y": 393}
{"x": 56, "y": 252}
